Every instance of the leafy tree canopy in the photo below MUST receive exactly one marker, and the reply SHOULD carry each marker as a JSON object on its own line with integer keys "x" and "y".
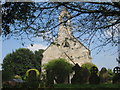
{"x": 89, "y": 19}
{"x": 20, "y": 61}
{"x": 38, "y": 57}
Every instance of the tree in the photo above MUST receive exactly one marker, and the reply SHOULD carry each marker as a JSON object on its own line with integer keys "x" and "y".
{"x": 60, "y": 69}
{"x": 118, "y": 60}
{"x": 20, "y": 61}
{"x": 89, "y": 19}
{"x": 13, "y": 13}
{"x": 38, "y": 59}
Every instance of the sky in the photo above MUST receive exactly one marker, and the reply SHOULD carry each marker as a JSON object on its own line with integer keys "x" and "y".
{"x": 103, "y": 59}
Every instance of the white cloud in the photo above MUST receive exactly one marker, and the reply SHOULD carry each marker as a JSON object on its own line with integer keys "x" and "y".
{"x": 36, "y": 47}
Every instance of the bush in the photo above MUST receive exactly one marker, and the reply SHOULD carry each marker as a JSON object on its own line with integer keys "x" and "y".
{"x": 7, "y": 75}
{"x": 17, "y": 77}
{"x": 60, "y": 68}
{"x": 88, "y": 65}
{"x": 110, "y": 75}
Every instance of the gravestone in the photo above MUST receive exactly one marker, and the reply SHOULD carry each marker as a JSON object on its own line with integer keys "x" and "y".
{"x": 94, "y": 69}
{"x": 103, "y": 75}
{"x": 81, "y": 75}
{"x": 77, "y": 76}
{"x": 116, "y": 78}
{"x": 32, "y": 79}
{"x": 50, "y": 77}
{"x": 85, "y": 76}
{"x": 94, "y": 78}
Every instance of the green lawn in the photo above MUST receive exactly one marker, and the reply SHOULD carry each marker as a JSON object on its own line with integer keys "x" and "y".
{"x": 85, "y": 86}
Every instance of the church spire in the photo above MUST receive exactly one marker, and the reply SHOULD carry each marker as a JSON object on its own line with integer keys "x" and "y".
{"x": 65, "y": 23}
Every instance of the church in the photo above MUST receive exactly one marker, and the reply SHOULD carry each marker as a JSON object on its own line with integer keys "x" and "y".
{"x": 66, "y": 45}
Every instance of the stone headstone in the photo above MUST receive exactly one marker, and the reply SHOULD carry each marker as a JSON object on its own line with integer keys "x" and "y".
{"x": 32, "y": 79}
{"x": 94, "y": 78}
{"x": 81, "y": 75}
{"x": 77, "y": 76}
{"x": 85, "y": 76}
{"x": 116, "y": 78}
{"x": 94, "y": 69}
{"x": 103, "y": 75}
{"x": 50, "y": 77}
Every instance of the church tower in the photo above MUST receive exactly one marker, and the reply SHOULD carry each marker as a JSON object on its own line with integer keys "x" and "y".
{"x": 66, "y": 45}
{"x": 65, "y": 23}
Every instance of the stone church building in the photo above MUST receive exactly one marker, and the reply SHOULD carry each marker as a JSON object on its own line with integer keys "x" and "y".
{"x": 66, "y": 45}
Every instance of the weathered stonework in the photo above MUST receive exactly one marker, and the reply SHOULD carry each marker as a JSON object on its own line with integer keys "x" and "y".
{"x": 66, "y": 45}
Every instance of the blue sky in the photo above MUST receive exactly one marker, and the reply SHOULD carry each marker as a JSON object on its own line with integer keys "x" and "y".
{"x": 103, "y": 59}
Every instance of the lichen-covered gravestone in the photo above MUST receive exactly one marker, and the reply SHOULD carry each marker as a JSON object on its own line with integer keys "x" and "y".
{"x": 116, "y": 78}
{"x": 103, "y": 75}
{"x": 94, "y": 78}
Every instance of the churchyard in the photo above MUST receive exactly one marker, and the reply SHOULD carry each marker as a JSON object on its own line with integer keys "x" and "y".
{"x": 66, "y": 62}
{"x": 82, "y": 77}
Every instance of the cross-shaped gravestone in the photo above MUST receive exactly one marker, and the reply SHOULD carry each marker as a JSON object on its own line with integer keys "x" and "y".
{"x": 116, "y": 70}
{"x": 116, "y": 78}
{"x": 94, "y": 78}
{"x": 94, "y": 69}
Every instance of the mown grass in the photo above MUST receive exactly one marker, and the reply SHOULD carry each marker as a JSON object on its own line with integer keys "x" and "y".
{"x": 85, "y": 86}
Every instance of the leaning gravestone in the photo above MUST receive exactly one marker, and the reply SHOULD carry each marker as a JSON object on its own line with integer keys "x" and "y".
{"x": 81, "y": 75}
{"x": 116, "y": 78}
{"x": 103, "y": 75}
{"x": 94, "y": 78}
